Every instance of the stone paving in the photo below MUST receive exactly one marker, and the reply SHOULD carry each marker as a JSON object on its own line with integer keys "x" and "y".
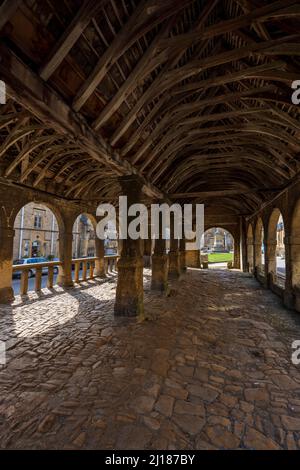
{"x": 210, "y": 369}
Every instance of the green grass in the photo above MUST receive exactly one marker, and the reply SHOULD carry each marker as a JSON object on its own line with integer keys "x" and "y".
{"x": 220, "y": 257}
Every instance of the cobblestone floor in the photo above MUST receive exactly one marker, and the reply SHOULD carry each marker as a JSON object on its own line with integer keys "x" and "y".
{"x": 211, "y": 368}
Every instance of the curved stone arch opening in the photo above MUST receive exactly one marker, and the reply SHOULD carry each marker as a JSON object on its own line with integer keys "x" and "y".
{"x": 276, "y": 247}
{"x": 295, "y": 246}
{"x": 37, "y": 227}
{"x": 84, "y": 235}
{"x": 260, "y": 245}
{"x": 218, "y": 243}
{"x": 250, "y": 248}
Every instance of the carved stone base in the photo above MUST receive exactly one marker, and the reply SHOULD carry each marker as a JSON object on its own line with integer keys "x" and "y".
{"x": 6, "y": 295}
{"x": 64, "y": 279}
{"x": 130, "y": 292}
{"x": 99, "y": 268}
{"x": 160, "y": 268}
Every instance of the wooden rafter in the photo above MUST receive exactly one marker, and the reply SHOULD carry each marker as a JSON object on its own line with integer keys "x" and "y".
{"x": 70, "y": 36}
{"x": 194, "y": 96}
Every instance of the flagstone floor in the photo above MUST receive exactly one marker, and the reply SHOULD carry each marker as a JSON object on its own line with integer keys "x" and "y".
{"x": 210, "y": 369}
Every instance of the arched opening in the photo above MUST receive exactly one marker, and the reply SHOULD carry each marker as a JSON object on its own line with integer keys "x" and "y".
{"x": 260, "y": 247}
{"x": 111, "y": 239}
{"x": 276, "y": 248}
{"x": 83, "y": 245}
{"x": 250, "y": 249}
{"x": 295, "y": 246}
{"x": 217, "y": 248}
{"x": 35, "y": 241}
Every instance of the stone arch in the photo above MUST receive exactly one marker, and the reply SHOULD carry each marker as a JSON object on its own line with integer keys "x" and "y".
{"x": 295, "y": 246}
{"x": 227, "y": 230}
{"x": 259, "y": 245}
{"x": 275, "y": 240}
{"x": 84, "y": 233}
{"x": 250, "y": 248}
{"x": 47, "y": 232}
{"x": 221, "y": 226}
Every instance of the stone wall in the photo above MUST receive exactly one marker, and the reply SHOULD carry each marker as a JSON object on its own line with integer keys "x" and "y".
{"x": 286, "y": 203}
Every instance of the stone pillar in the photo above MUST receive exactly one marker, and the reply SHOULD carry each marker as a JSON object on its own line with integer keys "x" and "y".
{"x": 243, "y": 245}
{"x": 6, "y": 263}
{"x": 192, "y": 257}
{"x": 237, "y": 253}
{"x": 147, "y": 249}
{"x": 182, "y": 254}
{"x": 129, "y": 295}
{"x": 257, "y": 257}
{"x": 291, "y": 248}
{"x": 160, "y": 262}
{"x": 174, "y": 259}
{"x": 99, "y": 263}
{"x": 65, "y": 255}
{"x": 270, "y": 260}
{"x": 250, "y": 255}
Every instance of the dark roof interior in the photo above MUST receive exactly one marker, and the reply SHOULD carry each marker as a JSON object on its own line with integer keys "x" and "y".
{"x": 194, "y": 95}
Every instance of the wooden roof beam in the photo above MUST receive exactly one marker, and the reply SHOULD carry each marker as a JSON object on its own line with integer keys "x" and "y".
{"x": 281, "y": 8}
{"x": 273, "y": 69}
{"x": 171, "y": 78}
{"x": 63, "y": 46}
{"x": 32, "y": 93}
{"x": 155, "y": 87}
{"x": 129, "y": 34}
{"x": 131, "y": 83}
{"x": 217, "y": 193}
{"x": 7, "y": 10}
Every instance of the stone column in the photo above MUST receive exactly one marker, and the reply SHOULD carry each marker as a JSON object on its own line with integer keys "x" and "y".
{"x": 257, "y": 257}
{"x": 99, "y": 263}
{"x": 147, "y": 248}
{"x": 291, "y": 248}
{"x": 182, "y": 254}
{"x": 243, "y": 246}
{"x": 174, "y": 259}
{"x": 192, "y": 257}
{"x": 270, "y": 261}
{"x": 160, "y": 262}
{"x": 65, "y": 255}
{"x": 129, "y": 295}
{"x": 6, "y": 263}
{"x": 237, "y": 253}
{"x": 250, "y": 255}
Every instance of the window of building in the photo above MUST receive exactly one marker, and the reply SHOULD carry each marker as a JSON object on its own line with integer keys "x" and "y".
{"x": 38, "y": 221}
